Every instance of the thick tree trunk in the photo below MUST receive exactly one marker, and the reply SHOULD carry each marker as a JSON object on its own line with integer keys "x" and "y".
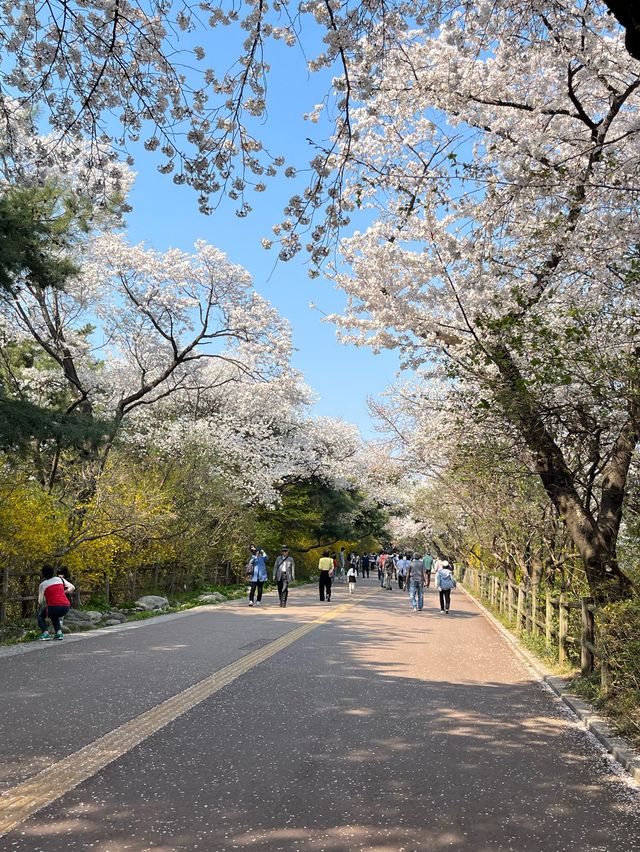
{"x": 594, "y": 541}
{"x": 627, "y": 13}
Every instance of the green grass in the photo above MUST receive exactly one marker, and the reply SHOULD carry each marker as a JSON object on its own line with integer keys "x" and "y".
{"x": 620, "y": 708}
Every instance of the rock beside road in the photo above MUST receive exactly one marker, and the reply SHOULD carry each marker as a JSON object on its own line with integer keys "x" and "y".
{"x": 119, "y": 617}
{"x": 83, "y": 616}
{"x": 150, "y": 602}
{"x": 212, "y": 597}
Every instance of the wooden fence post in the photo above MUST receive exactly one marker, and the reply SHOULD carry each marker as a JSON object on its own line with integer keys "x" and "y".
{"x": 605, "y": 677}
{"x": 510, "y": 600}
{"x": 548, "y": 618}
{"x": 563, "y": 630}
{"x": 519, "y": 608}
{"x": 534, "y": 610}
{"x": 586, "y": 638}
{"x": 527, "y": 610}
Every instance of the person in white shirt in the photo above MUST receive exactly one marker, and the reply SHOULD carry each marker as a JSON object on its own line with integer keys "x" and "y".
{"x": 53, "y": 602}
{"x": 352, "y": 576}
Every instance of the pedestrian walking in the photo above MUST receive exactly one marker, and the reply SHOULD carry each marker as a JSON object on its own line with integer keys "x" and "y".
{"x": 382, "y": 558}
{"x": 389, "y": 572}
{"x": 53, "y": 602}
{"x": 416, "y": 582}
{"x": 284, "y": 572}
{"x": 401, "y": 570}
{"x": 427, "y": 561}
{"x": 354, "y": 562}
{"x": 352, "y": 576}
{"x": 341, "y": 565}
{"x": 256, "y": 574}
{"x": 445, "y": 582}
{"x": 365, "y": 565}
{"x": 326, "y": 568}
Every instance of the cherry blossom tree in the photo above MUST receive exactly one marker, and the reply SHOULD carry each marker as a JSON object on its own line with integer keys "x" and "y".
{"x": 141, "y": 66}
{"x": 157, "y": 320}
{"x": 502, "y": 186}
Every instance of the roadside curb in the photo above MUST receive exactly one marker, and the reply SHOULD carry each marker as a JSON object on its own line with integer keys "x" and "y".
{"x": 34, "y": 646}
{"x": 619, "y": 748}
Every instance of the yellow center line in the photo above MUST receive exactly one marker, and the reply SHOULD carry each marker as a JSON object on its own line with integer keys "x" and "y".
{"x": 20, "y": 802}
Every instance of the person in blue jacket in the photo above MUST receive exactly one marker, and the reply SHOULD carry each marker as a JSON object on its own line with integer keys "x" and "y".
{"x": 256, "y": 573}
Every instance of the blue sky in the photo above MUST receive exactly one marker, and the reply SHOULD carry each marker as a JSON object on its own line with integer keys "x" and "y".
{"x": 165, "y": 215}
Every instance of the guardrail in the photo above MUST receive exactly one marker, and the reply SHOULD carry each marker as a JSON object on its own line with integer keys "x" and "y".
{"x": 565, "y": 623}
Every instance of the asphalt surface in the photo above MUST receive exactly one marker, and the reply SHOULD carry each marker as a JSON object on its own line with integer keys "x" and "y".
{"x": 380, "y": 730}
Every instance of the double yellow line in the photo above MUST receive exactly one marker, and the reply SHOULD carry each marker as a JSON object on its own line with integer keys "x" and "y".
{"x": 20, "y": 802}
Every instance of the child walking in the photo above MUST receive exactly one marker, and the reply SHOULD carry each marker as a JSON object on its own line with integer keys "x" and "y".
{"x": 352, "y": 576}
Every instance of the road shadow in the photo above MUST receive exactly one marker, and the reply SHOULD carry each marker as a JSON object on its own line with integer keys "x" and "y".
{"x": 347, "y": 741}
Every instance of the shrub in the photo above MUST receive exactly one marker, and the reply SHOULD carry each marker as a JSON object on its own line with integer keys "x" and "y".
{"x": 619, "y": 637}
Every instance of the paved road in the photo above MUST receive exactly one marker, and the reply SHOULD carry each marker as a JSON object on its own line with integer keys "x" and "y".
{"x": 375, "y": 730}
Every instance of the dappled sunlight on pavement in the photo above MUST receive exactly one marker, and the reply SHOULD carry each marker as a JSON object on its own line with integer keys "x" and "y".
{"x": 377, "y": 730}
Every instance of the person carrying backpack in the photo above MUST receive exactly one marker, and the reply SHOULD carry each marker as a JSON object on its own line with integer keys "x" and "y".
{"x": 445, "y": 581}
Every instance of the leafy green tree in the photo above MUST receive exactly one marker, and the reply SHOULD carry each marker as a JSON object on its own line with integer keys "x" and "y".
{"x": 36, "y": 225}
{"x": 313, "y": 515}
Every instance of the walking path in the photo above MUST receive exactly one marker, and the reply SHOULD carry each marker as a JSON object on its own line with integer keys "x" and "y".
{"x": 343, "y": 726}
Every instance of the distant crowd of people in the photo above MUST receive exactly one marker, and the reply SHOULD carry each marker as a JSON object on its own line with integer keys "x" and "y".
{"x": 412, "y": 571}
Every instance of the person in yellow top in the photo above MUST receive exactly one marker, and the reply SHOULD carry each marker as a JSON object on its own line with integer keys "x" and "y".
{"x": 326, "y": 568}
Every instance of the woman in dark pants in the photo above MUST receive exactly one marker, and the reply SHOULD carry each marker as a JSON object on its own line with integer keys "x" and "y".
{"x": 444, "y": 583}
{"x": 257, "y": 574}
{"x": 52, "y": 602}
{"x": 326, "y": 568}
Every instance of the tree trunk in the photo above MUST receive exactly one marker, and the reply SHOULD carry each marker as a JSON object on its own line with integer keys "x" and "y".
{"x": 628, "y": 14}
{"x": 595, "y": 543}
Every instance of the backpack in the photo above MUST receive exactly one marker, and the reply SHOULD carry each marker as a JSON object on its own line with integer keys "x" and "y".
{"x": 446, "y": 579}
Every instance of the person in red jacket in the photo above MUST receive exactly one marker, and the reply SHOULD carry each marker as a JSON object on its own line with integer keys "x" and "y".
{"x": 53, "y": 602}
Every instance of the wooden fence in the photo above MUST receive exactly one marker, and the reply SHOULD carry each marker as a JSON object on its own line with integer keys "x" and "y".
{"x": 18, "y": 590}
{"x": 564, "y": 623}
{"x": 23, "y": 605}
